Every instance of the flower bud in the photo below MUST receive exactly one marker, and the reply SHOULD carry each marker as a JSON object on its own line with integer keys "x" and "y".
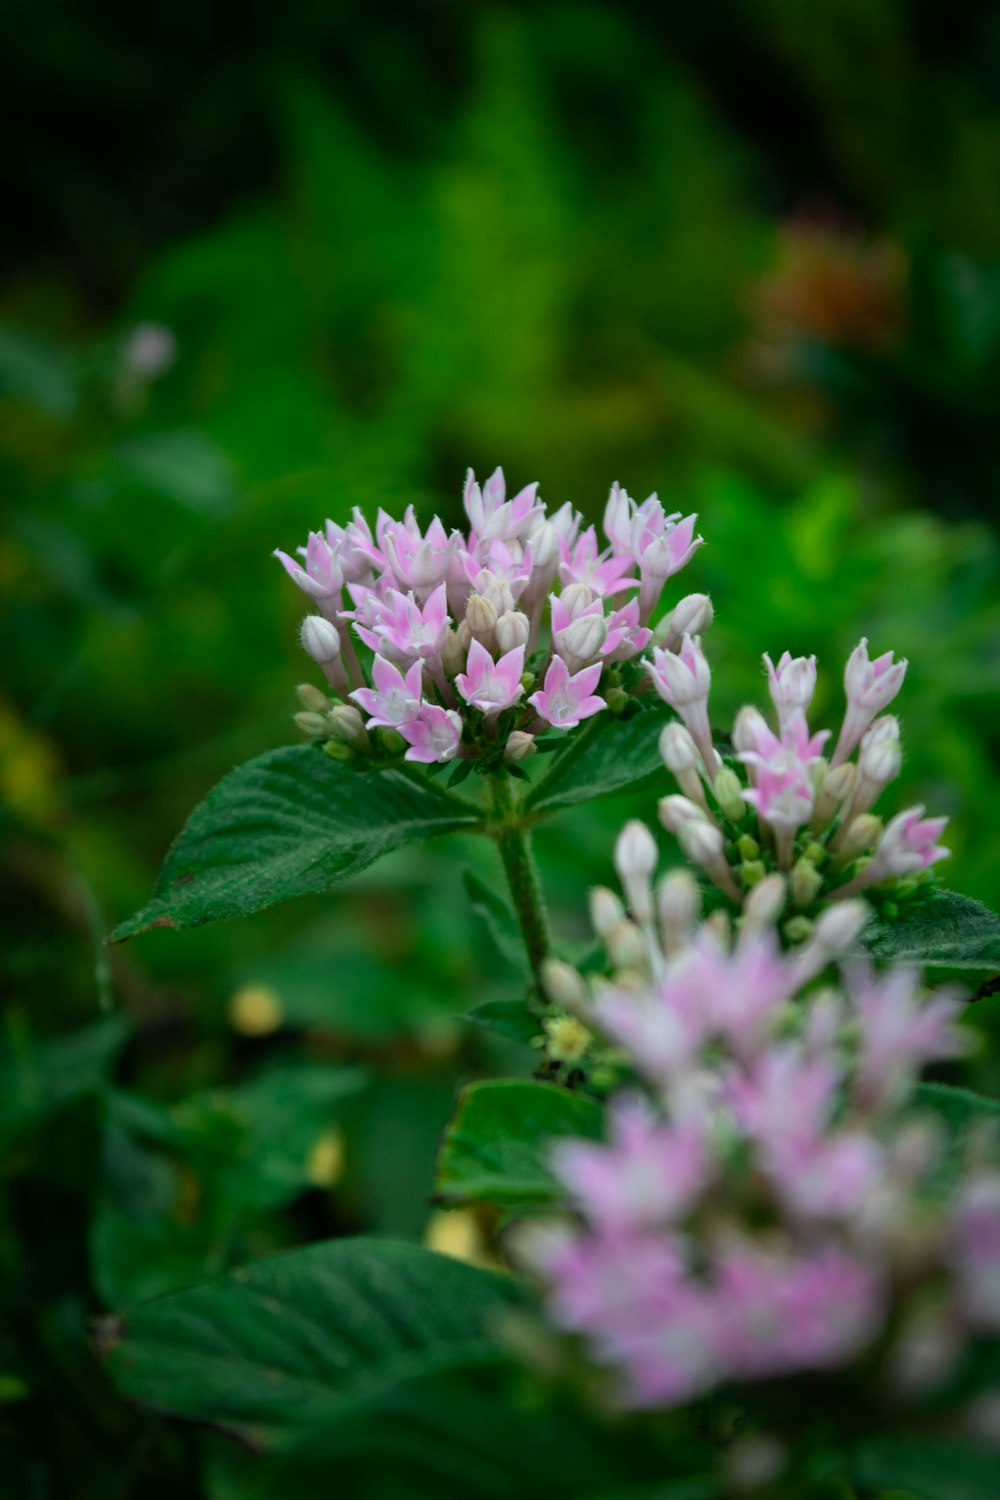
{"x": 765, "y": 902}
{"x": 678, "y": 902}
{"x": 339, "y": 750}
{"x": 752, "y": 871}
{"x": 481, "y": 618}
{"x": 346, "y": 724}
{"x": 625, "y": 947}
{"x": 617, "y": 699}
{"x": 798, "y": 929}
{"x": 677, "y": 749}
{"x": 836, "y": 788}
{"x": 747, "y": 726}
{"x": 512, "y": 630}
{"x": 453, "y": 653}
{"x": 691, "y": 616}
{"x": 563, "y": 984}
{"x": 858, "y": 836}
{"x": 728, "y": 791}
{"x": 316, "y": 726}
{"x": 544, "y": 548}
{"x": 575, "y": 598}
{"x": 675, "y": 811}
{"x": 635, "y": 860}
{"x": 320, "y": 639}
{"x": 390, "y": 741}
{"x": 838, "y": 928}
{"x": 499, "y": 594}
{"x": 311, "y": 698}
{"x": 581, "y": 640}
{"x": 519, "y": 746}
{"x": 568, "y": 1039}
{"x": 805, "y": 882}
{"x": 606, "y": 911}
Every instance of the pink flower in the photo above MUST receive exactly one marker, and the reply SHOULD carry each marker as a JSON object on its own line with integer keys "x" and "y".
{"x": 416, "y": 562}
{"x": 488, "y": 685}
{"x": 908, "y": 845}
{"x": 661, "y": 545}
{"x": 783, "y": 1313}
{"x": 785, "y": 1097}
{"x": 870, "y": 687}
{"x": 396, "y": 627}
{"x": 976, "y": 1252}
{"x": 396, "y": 699}
{"x": 683, "y": 679}
{"x": 322, "y": 577}
{"x": 602, "y": 572}
{"x": 435, "y": 735}
{"x": 625, "y": 637}
{"x": 647, "y": 1175}
{"x": 492, "y": 516}
{"x": 783, "y": 794}
{"x": 900, "y": 1030}
{"x": 792, "y": 683}
{"x": 564, "y": 700}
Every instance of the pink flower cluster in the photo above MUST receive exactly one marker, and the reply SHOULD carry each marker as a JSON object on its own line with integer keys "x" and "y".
{"x": 779, "y": 802}
{"x": 463, "y": 625}
{"x": 755, "y": 1209}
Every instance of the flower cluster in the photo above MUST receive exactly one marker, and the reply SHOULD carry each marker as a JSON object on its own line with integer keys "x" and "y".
{"x": 777, "y": 801}
{"x": 483, "y": 639}
{"x": 768, "y": 1199}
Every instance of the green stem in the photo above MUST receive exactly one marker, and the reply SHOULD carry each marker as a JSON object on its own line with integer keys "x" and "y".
{"x": 513, "y": 839}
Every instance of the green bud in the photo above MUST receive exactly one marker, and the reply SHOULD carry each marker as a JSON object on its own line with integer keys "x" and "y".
{"x": 748, "y": 847}
{"x": 390, "y": 741}
{"x": 728, "y": 791}
{"x": 311, "y": 698}
{"x": 890, "y": 911}
{"x": 905, "y": 888}
{"x": 617, "y": 699}
{"x": 339, "y": 750}
{"x": 797, "y": 929}
{"x": 815, "y": 853}
{"x": 314, "y": 725}
{"x": 527, "y": 681}
{"x": 806, "y": 882}
{"x": 751, "y": 872}
{"x": 861, "y": 834}
{"x": 348, "y": 725}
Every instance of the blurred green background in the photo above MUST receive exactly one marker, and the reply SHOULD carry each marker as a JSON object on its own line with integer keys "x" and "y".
{"x": 261, "y": 264}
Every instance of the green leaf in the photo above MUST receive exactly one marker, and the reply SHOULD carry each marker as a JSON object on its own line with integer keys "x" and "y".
{"x": 500, "y": 921}
{"x": 297, "y": 1341}
{"x": 961, "y": 1112}
{"x": 931, "y": 1468}
{"x": 290, "y": 823}
{"x": 610, "y": 755}
{"x": 495, "y": 1149}
{"x": 947, "y": 931}
{"x": 508, "y": 1018}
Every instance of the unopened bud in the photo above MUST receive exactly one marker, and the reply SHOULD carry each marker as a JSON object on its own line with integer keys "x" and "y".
{"x": 575, "y": 598}
{"x": 390, "y": 741}
{"x": 347, "y": 724}
{"x": 677, "y": 749}
{"x": 748, "y": 846}
{"x": 805, "y": 882}
{"x": 747, "y": 727}
{"x": 728, "y": 791}
{"x": 701, "y": 841}
{"x": 752, "y": 872}
{"x": 316, "y": 726}
{"x": 339, "y": 750}
{"x": 625, "y": 946}
{"x": 635, "y": 860}
{"x": 563, "y": 984}
{"x": 512, "y": 630}
{"x": 581, "y": 640}
{"x": 617, "y": 699}
{"x": 765, "y": 902}
{"x": 606, "y": 911}
{"x": 837, "y": 786}
{"x": 498, "y": 593}
{"x": 519, "y": 746}
{"x": 453, "y": 653}
{"x": 481, "y": 618}
{"x": 691, "y": 616}
{"x": 798, "y": 929}
{"x": 320, "y": 639}
{"x": 544, "y": 548}
{"x": 311, "y": 698}
{"x": 527, "y": 681}
{"x": 838, "y": 928}
{"x": 860, "y": 834}
{"x": 675, "y": 811}
{"x": 678, "y": 902}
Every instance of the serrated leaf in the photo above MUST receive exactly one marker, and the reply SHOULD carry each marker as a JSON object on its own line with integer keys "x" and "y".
{"x": 508, "y": 1018}
{"x": 500, "y": 921}
{"x": 290, "y": 823}
{"x": 495, "y": 1149}
{"x": 290, "y": 1344}
{"x": 610, "y": 755}
{"x": 947, "y": 931}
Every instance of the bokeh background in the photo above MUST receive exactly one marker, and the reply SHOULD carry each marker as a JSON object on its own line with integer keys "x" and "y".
{"x": 264, "y": 263}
